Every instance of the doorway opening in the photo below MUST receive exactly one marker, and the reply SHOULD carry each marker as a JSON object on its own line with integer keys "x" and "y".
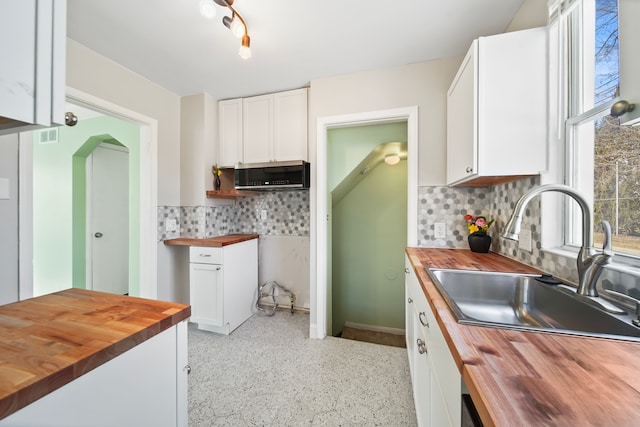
{"x": 141, "y": 141}
{"x": 367, "y": 223}
{"x": 321, "y": 273}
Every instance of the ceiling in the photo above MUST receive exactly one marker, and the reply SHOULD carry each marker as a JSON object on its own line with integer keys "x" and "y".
{"x": 292, "y": 41}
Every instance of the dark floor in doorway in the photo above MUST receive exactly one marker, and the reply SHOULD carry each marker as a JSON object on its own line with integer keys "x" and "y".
{"x": 375, "y": 337}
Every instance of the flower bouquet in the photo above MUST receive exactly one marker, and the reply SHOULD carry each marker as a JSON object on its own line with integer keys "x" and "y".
{"x": 478, "y": 239}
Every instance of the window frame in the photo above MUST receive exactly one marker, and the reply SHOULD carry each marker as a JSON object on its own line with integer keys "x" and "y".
{"x": 567, "y": 17}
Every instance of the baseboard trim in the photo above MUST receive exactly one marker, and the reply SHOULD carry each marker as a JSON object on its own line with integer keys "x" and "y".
{"x": 385, "y": 329}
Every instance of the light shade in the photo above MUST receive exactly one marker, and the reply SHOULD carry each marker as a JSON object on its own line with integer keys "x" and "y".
{"x": 392, "y": 159}
{"x": 245, "y": 49}
{"x": 207, "y": 9}
{"x": 237, "y": 28}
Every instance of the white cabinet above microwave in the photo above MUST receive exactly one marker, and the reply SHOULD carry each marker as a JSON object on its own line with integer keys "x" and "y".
{"x": 497, "y": 110}
{"x": 32, "y": 76}
{"x": 263, "y": 128}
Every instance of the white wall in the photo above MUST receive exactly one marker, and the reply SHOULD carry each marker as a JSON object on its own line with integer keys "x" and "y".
{"x": 9, "y": 219}
{"x": 424, "y": 84}
{"x": 198, "y": 136}
{"x": 532, "y": 13}
{"x": 99, "y": 76}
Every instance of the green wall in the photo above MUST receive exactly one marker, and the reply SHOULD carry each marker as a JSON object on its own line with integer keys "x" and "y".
{"x": 59, "y": 202}
{"x": 346, "y": 147}
{"x": 367, "y": 231}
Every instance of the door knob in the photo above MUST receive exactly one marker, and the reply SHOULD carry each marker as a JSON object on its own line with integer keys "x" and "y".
{"x": 98, "y": 235}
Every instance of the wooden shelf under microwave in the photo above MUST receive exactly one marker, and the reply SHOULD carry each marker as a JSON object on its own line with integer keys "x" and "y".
{"x": 229, "y": 194}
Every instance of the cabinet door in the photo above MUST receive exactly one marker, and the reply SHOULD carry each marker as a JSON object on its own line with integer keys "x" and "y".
{"x": 410, "y": 336}
{"x": 290, "y": 125}
{"x": 32, "y": 77}
{"x": 17, "y": 74}
{"x": 206, "y": 294}
{"x": 230, "y": 127}
{"x": 422, "y": 373}
{"x": 462, "y": 120}
{"x": 257, "y": 129}
{"x": 629, "y": 33}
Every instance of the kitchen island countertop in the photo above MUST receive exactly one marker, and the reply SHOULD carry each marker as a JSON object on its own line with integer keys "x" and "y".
{"x": 48, "y": 341}
{"x": 528, "y": 377}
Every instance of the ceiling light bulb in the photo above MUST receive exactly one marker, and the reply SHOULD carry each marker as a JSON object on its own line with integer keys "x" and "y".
{"x": 207, "y": 9}
{"x": 392, "y": 159}
{"x": 245, "y": 49}
{"x": 237, "y": 28}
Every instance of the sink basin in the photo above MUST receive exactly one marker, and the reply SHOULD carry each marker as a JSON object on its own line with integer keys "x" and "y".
{"x": 519, "y": 301}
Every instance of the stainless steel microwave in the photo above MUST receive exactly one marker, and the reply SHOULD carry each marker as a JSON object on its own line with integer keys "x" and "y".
{"x": 273, "y": 175}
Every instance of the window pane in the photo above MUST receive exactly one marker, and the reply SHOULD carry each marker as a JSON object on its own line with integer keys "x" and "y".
{"x": 616, "y": 183}
{"x": 606, "y": 51}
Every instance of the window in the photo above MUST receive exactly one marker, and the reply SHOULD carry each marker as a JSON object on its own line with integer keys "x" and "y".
{"x": 602, "y": 157}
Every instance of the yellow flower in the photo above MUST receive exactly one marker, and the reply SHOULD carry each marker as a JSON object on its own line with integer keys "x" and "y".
{"x": 473, "y": 228}
{"x": 216, "y": 170}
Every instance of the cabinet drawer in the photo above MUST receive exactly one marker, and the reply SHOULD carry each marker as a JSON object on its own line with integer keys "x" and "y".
{"x": 205, "y": 255}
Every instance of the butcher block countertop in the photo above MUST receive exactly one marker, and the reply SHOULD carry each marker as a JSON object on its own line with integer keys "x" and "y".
{"x": 49, "y": 341}
{"x": 530, "y": 378}
{"x": 215, "y": 242}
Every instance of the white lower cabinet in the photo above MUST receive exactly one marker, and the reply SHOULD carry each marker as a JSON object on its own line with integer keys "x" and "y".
{"x": 223, "y": 285}
{"x": 437, "y": 384}
{"x": 144, "y": 386}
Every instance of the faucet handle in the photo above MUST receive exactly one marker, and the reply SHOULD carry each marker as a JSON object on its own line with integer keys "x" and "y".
{"x": 606, "y": 246}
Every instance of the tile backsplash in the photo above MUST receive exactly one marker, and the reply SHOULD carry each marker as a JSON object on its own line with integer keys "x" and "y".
{"x": 287, "y": 214}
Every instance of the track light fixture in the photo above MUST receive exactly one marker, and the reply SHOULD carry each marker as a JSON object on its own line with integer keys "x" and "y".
{"x": 236, "y": 24}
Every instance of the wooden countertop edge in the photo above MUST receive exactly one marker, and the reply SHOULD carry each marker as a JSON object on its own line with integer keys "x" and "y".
{"x": 55, "y": 380}
{"x": 214, "y": 242}
{"x": 494, "y": 407}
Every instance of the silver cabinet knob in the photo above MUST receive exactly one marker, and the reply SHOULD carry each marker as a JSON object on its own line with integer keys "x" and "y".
{"x": 410, "y": 301}
{"x": 98, "y": 235}
{"x": 406, "y": 270}
{"x": 469, "y": 169}
{"x": 187, "y": 368}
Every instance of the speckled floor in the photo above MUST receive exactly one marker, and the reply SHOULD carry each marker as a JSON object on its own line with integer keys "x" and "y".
{"x": 269, "y": 373}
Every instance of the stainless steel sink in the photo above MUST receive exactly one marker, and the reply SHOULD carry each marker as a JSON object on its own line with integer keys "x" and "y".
{"x": 519, "y": 301}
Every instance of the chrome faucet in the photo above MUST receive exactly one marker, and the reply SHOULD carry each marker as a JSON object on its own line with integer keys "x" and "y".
{"x": 589, "y": 261}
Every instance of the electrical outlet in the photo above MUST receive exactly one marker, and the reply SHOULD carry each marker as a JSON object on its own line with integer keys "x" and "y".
{"x": 524, "y": 240}
{"x": 440, "y": 230}
{"x": 171, "y": 224}
{"x": 263, "y": 214}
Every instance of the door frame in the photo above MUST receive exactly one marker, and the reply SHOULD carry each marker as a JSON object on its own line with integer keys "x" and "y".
{"x": 148, "y": 252}
{"x": 319, "y": 207}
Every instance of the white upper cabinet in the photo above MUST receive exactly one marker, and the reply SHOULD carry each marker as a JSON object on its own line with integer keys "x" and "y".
{"x": 629, "y": 34}
{"x": 497, "y": 110}
{"x": 290, "y": 125}
{"x": 32, "y": 76}
{"x": 230, "y": 126}
{"x": 257, "y": 127}
{"x": 264, "y": 128}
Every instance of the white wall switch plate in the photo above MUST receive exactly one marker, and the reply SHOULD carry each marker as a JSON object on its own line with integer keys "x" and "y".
{"x": 440, "y": 230}
{"x": 524, "y": 240}
{"x": 263, "y": 214}
{"x": 171, "y": 224}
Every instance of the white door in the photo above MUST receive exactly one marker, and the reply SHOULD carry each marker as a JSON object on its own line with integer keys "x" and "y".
{"x": 108, "y": 219}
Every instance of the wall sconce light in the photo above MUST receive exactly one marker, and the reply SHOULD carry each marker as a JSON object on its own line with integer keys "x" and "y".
{"x": 235, "y": 23}
{"x": 392, "y": 159}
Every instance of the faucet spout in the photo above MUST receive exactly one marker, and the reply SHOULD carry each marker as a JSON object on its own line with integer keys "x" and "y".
{"x": 589, "y": 262}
